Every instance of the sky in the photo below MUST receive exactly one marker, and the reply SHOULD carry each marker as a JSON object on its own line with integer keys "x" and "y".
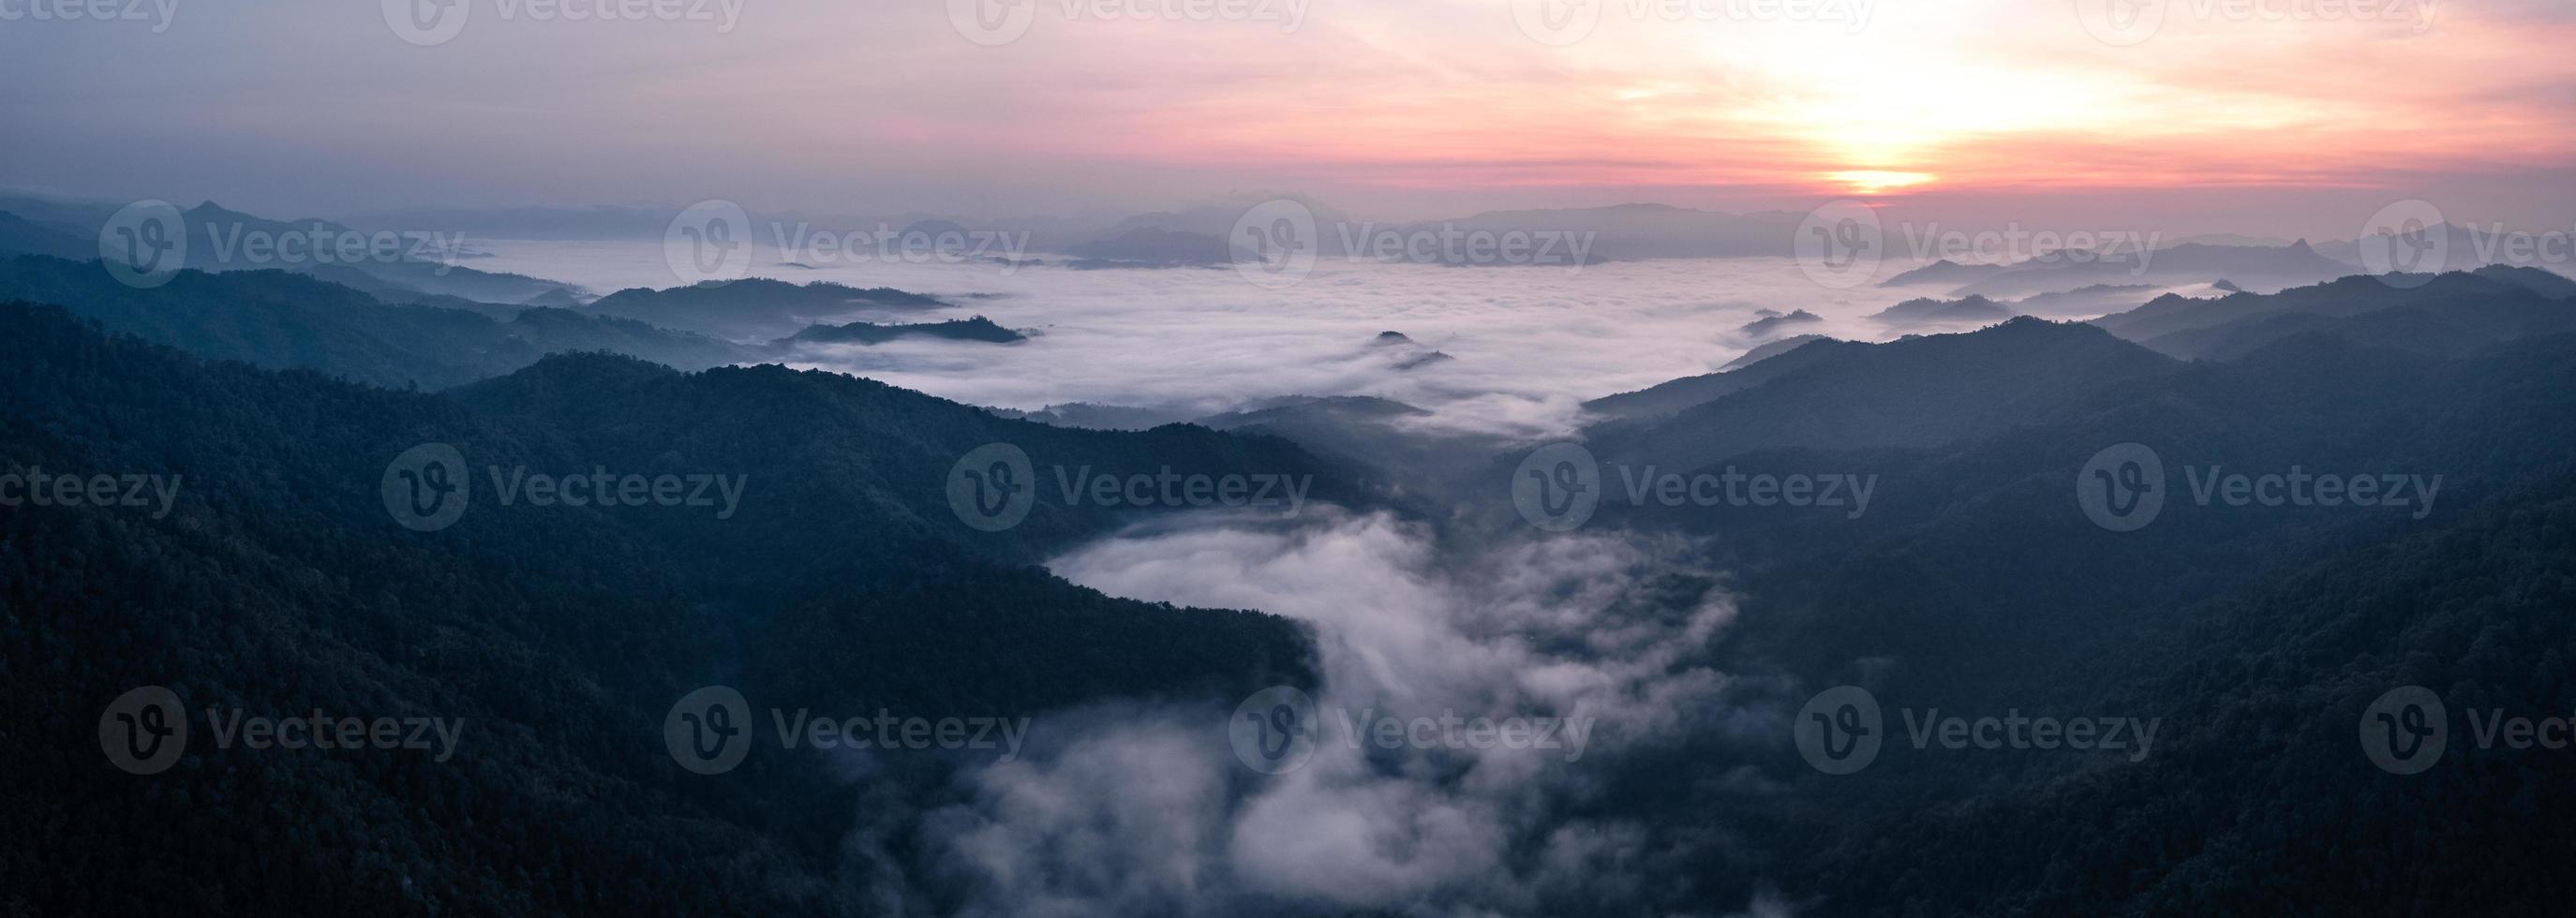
{"x": 2278, "y": 117}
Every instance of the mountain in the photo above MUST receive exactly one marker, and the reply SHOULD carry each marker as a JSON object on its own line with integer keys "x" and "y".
{"x": 2086, "y": 302}
{"x": 558, "y": 636}
{"x": 1944, "y": 272}
{"x": 1156, "y": 247}
{"x": 20, "y": 236}
{"x": 1774, "y": 322}
{"x": 1928, "y": 310}
{"x": 2287, "y": 266}
{"x": 1744, "y": 373}
{"x": 2342, "y": 298}
{"x": 1769, "y": 350}
{"x": 283, "y": 320}
{"x": 2447, "y": 319}
{"x": 1912, "y": 392}
{"x": 755, "y": 308}
{"x": 974, "y": 329}
{"x": 2254, "y": 635}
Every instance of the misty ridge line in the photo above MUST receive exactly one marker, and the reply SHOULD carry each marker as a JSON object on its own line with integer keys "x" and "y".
{"x": 322, "y": 243}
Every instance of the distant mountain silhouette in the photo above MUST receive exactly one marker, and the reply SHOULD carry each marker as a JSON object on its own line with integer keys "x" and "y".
{"x": 20, "y": 236}
{"x": 1155, "y": 247}
{"x": 755, "y": 308}
{"x": 1772, "y": 324}
{"x": 2445, "y": 316}
{"x": 2287, "y": 266}
{"x": 281, "y": 320}
{"x": 2341, "y": 298}
{"x": 1944, "y": 271}
{"x": 1928, "y": 310}
{"x": 1912, "y": 392}
{"x": 974, "y": 329}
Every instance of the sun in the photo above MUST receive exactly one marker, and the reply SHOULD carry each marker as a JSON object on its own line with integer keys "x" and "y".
{"x": 1876, "y": 181}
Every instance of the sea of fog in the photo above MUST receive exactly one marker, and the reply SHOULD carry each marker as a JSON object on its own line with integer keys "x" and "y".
{"x": 1529, "y": 342}
{"x": 1128, "y": 806}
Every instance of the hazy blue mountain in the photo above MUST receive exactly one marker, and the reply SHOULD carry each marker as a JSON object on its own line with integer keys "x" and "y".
{"x": 2098, "y": 299}
{"x": 1931, "y": 310}
{"x": 1744, "y": 373}
{"x": 20, "y": 236}
{"x": 755, "y": 309}
{"x": 1774, "y": 322}
{"x": 974, "y": 329}
{"x": 283, "y": 320}
{"x": 560, "y": 635}
{"x": 2341, "y": 298}
{"x": 2287, "y": 266}
{"x": 1155, "y": 247}
{"x": 1769, "y": 350}
{"x": 1943, "y": 272}
{"x": 1912, "y": 392}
